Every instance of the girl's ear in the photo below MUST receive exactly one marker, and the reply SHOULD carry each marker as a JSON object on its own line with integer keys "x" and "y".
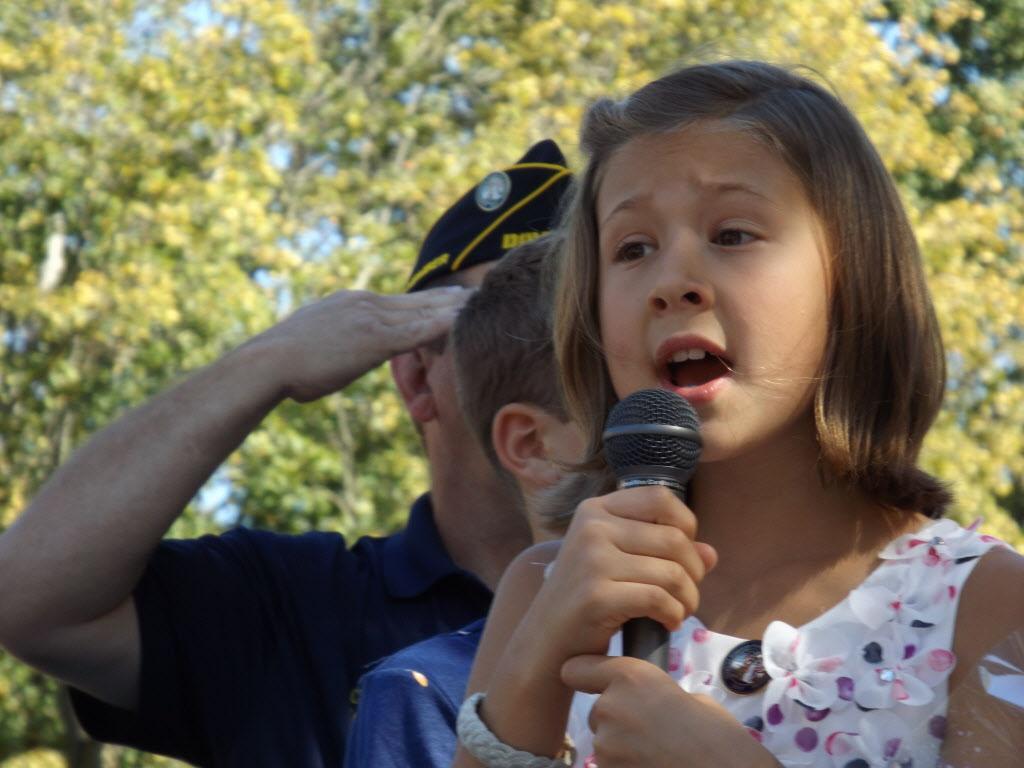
{"x": 519, "y": 434}
{"x": 409, "y": 371}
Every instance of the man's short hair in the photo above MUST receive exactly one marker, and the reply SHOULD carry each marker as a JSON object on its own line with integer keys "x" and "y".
{"x": 504, "y": 352}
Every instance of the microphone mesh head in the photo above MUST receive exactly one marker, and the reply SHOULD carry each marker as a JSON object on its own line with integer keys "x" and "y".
{"x": 653, "y": 407}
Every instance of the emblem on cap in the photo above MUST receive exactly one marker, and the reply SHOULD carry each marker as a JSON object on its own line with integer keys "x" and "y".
{"x": 493, "y": 191}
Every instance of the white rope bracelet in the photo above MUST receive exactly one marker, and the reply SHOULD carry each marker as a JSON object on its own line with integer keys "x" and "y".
{"x": 482, "y": 744}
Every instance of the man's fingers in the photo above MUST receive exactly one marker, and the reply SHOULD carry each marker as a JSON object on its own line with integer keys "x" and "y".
{"x": 424, "y": 320}
{"x": 415, "y": 331}
{"x": 434, "y": 297}
{"x": 403, "y": 323}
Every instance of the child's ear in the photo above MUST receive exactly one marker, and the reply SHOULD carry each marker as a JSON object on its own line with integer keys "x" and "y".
{"x": 410, "y": 371}
{"x": 519, "y": 435}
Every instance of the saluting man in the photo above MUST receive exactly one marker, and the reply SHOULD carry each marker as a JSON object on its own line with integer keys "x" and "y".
{"x": 243, "y": 649}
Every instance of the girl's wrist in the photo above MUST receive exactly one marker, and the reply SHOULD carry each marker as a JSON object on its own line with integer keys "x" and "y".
{"x": 527, "y": 718}
{"x": 527, "y": 704}
{"x": 537, "y": 645}
{"x": 528, "y": 675}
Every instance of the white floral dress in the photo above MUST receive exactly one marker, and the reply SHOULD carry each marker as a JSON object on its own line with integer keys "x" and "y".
{"x": 861, "y": 686}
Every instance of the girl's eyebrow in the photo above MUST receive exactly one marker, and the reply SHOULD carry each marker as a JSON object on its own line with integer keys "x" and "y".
{"x": 724, "y": 187}
{"x": 713, "y": 187}
{"x": 623, "y": 205}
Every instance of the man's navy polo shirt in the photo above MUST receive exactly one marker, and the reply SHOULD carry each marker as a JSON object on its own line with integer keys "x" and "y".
{"x": 409, "y": 702}
{"x": 252, "y": 641}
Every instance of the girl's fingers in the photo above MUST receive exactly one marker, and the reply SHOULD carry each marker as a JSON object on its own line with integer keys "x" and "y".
{"x": 593, "y": 674}
{"x": 707, "y": 554}
{"x": 660, "y": 541}
{"x": 651, "y": 504}
{"x": 668, "y": 575}
{"x": 630, "y": 556}
{"x": 612, "y": 604}
{"x": 596, "y": 528}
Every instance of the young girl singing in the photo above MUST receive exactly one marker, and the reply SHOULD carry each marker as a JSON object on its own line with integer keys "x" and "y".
{"x": 737, "y": 239}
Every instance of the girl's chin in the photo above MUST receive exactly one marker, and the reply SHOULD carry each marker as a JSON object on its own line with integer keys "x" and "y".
{"x": 747, "y": 441}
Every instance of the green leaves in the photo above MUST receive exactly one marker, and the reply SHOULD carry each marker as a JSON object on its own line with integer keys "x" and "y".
{"x": 176, "y": 175}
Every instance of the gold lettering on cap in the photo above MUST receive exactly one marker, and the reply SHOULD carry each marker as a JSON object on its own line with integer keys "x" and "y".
{"x": 512, "y": 239}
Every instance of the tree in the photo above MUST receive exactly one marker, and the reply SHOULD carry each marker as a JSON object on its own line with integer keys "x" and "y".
{"x": 971, "y": 226}
{"x": 175, "y": 174}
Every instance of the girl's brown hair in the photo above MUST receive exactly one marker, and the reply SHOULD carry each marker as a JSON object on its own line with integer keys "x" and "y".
{"x": 883, "y": 371}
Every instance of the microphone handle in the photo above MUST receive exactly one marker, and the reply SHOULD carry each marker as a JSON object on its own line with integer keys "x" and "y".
{"x": 645, "y": 638}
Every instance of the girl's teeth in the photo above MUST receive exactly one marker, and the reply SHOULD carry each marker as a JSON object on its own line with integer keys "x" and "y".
{"x": 688, "y": 354}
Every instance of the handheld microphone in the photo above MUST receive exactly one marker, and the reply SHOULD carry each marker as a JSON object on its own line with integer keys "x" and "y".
{"x": 651, "y": 437}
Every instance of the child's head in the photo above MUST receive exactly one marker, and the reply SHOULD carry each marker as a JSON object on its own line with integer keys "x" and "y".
{"x": 505, "y": 368}
{"x": 879, "y": 378}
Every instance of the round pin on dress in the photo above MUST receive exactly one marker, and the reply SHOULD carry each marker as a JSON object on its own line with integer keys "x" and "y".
{"x": 743, "y": 669}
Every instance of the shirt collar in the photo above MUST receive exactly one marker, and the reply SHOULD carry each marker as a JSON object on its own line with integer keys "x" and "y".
{"x": 414, "y": 559}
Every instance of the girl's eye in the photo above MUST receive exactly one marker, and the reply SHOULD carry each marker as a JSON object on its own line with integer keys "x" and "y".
{"x": 732, "y": 237}
{"x": 632, "y": 251}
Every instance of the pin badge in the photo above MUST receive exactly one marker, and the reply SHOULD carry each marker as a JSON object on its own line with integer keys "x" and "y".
{"x": 493, "y": 191}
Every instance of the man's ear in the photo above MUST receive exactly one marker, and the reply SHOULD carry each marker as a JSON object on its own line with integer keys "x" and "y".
{"x": 409, "y": 371}
{"x": 519, "y": 436}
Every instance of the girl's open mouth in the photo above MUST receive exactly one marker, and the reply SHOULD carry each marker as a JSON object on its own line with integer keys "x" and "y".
{"x": 695, "y": 367}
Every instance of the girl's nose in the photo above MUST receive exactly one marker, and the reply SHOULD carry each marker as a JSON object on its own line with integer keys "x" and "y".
{"x": 693, "y": 298}
{"x": 681, "y": 283}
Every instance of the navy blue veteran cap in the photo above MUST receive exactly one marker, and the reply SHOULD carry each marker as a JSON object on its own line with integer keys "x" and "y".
{"x": 505, "y": 209}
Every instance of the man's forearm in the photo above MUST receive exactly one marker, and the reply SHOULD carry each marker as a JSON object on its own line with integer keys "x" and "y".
{"x": 73, "y": 558}
{"x": 79, "y": 548}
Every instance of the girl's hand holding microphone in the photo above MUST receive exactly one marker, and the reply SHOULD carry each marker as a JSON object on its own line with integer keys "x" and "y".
{"x": 643, "y": 719}
{"x": 632, "y": 554}
{"x": 639, "y": 547}
{"x": 627, "y": 555}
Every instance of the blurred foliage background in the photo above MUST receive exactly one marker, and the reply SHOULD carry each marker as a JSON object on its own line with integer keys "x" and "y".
{"x": 175, "y": 175}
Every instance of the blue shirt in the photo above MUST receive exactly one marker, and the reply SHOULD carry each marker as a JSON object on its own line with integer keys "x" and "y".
{"x": 253, "y": 641}
{"x": 408, "y": 704}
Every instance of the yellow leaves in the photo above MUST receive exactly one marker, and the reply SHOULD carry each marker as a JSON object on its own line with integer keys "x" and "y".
{"x": 181, "y": 167}
{"x": 155, "y": 79}
{"x": 18, "y": 269}
{"x": 11, "y": 60}
{"x": 238, "y": 98}
{"x": 526, "y": 89}
{"x": 386, "y": 414}
{"x": 620, "y": 14}
{"x": 354, "y": 120}
{"x": 948, "y": 13}
{"x": 36, "y": 758}
{"x": 937, "y": 48}
{"x": 90, "y": 291}
{"x": 30, "y": 218}
{"x": 16, "y": 501}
